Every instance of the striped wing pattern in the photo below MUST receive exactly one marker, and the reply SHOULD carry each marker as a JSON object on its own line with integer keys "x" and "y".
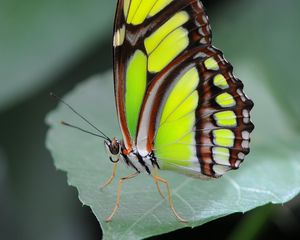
{"x": 223, "y": 124}
{"x": 175, "y": 93}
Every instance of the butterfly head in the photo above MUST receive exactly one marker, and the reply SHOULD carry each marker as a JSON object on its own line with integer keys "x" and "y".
{"x": 113, "y": 149}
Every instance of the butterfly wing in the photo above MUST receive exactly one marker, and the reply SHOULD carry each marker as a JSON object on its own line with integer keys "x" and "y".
{"x": 195, "y": 115}
{"x": 175, "y": 93}
{"x": 204, "y": 125}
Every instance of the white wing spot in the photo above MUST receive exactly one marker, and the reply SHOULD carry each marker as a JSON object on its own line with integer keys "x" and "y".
{"x": 246, "y": 116}
{"x": 241, "y": 155}
{"x": 245, "y": 144}
{"x": 237, "y": 163}
{"x": 119, "y": 37}
{"x": 239, "y": 91}
{"x": 245, "y": 113}
{"x": 246, "y": 120}
{"x": 246, "y": 135}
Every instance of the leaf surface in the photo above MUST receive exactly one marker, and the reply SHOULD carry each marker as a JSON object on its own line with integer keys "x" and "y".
{"x": 269, "y": 174}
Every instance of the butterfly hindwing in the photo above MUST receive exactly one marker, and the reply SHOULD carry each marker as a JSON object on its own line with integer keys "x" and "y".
{"x": 175, "y": 93}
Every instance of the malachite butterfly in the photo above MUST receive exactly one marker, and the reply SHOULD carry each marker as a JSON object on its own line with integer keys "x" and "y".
{"x": 179, "y": 105}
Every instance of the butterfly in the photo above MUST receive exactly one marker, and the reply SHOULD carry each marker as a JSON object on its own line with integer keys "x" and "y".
{"x": 179, "y": 106}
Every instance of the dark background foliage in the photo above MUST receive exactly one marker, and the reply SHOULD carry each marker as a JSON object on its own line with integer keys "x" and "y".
{"x": 35, "y": 200}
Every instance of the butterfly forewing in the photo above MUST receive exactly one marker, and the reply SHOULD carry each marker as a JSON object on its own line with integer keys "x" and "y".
{"x": 175, "y": 93}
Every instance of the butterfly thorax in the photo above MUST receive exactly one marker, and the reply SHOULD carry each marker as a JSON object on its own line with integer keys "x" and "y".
{"x": 135, "y": 160}
{"x": 117, "y": 151}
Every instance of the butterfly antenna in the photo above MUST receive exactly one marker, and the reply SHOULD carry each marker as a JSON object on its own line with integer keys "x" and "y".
{"x": 81, "y": 116}
{"x": 82, "y": 130}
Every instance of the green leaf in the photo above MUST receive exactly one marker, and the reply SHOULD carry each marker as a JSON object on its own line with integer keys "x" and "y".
{"x": 269, "y": 175}
{"x": 39, "y": 39}
{"x": 251, "y": 225}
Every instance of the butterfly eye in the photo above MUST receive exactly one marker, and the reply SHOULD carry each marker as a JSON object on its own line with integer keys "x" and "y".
{"x": 114, "y": 147}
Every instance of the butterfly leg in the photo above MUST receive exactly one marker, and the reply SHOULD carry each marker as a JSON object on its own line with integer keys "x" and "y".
{"x": 157, "y": 182}
{"x": 158, "y": 189}
{"x": 109, "y": 180}
{"x": 108, "y": 219}
{"x": 159, "y": 179}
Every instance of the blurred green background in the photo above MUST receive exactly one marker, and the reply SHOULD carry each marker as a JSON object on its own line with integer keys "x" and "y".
{"x": 52, "y": 45}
